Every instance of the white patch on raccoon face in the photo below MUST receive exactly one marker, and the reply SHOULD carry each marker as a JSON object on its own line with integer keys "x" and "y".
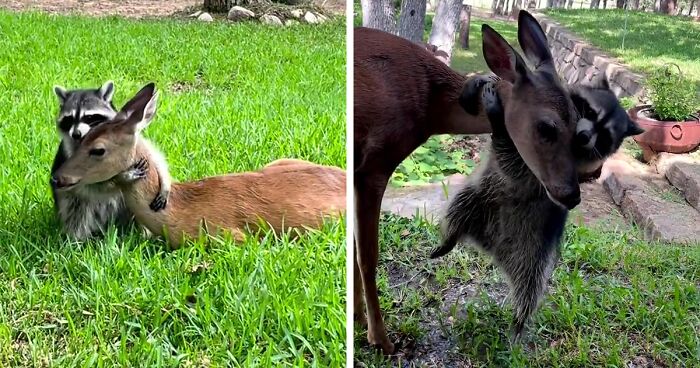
{"x": 79, "y": 130}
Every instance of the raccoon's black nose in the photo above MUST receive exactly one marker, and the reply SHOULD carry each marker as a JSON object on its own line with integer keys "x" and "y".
{"x": 76, "y": 135}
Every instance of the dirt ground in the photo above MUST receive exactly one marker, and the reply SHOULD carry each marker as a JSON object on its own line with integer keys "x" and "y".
{"x": 129, "y": 8}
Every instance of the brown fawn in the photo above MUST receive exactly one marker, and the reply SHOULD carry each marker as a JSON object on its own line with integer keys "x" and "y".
{"x": 403, "y": 95}
{"x": 285, "y": 194}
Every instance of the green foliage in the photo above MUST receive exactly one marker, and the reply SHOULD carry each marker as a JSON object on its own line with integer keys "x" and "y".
{"x": 673, "y": 96}
{"x": 628, "y": 102}
{"x": 126, "y": 300}
{"x": 431, "y": 162}
{"x": 613, "y": 298}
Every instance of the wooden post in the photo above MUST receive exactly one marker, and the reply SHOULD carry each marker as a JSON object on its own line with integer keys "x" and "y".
{"x": 465, "y": 17}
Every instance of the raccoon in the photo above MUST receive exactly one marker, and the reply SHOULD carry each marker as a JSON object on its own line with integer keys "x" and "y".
{"x": 88, "y": 210}
{"x": 604, "y": 124}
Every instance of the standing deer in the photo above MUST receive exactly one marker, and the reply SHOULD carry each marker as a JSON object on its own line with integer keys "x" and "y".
{"x": 403, "y": 95}
{"x": 285, "y": 194}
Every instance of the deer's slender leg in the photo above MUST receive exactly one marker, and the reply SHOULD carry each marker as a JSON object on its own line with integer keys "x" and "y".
{"x": 369, "y": 191}
{"x": 358, "y": 292}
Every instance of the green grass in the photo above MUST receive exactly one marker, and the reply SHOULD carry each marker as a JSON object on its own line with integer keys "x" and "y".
{"x": 651, "y": 39}
{"x": 613, "y": 299}
{"x": 233, "y": 97}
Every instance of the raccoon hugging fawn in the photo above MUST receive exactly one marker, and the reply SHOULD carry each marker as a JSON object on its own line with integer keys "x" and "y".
{"x": 534, "y": 155}
{"x": 285, "y": 194}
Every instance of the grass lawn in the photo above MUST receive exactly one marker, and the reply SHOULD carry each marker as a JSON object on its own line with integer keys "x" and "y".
{"x": 233, "y": 98}
{"x": 613, "y": 299}
{"x": 651, "y": 39}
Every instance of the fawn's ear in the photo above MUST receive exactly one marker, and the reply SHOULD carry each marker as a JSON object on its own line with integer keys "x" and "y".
{"x": 140, "y": 110}
{"x": 533, "y": 41}
{"x": 500, "y": 57}
{"x": 61, "y": 93}
{"x": 107, "y": 91}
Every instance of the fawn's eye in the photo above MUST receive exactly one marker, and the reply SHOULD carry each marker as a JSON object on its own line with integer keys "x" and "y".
{"x": 97, "y": 152}
{"x": 547, "y": 130}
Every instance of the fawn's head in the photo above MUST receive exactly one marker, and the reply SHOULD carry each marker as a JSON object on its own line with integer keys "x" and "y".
{"x": 109, "y": 149}
{"x": 539, "y": 115}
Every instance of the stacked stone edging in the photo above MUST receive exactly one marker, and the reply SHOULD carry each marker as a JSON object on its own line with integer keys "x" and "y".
{"x": 576, "y": 60}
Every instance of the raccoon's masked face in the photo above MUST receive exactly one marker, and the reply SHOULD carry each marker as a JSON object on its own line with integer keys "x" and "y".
{"x": 602, "y": 127}
{"x": 82, "y": 110}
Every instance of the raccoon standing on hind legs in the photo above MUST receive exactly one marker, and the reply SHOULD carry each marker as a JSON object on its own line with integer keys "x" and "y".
{"x": 89, "y": 209}
{"x": 505, "y": 209}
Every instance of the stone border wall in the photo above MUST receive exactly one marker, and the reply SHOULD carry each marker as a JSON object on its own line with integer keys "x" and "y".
{"x": 576, "y": 60}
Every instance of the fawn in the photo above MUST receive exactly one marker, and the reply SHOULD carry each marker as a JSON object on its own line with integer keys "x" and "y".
{"x": 286, "y": 193}
{"x": 403, "y": 95}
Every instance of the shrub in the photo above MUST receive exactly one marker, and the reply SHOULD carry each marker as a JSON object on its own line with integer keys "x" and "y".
{"x": 673, "y": 96}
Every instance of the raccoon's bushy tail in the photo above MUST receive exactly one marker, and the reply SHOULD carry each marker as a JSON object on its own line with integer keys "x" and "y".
{"x": 462, "y": 216}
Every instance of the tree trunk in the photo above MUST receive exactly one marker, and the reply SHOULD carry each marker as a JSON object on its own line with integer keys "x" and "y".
{"x": 550, "y": 4}
{"x": 412, "y": 20}
{"x": 668, "y": 6}
{"x": 218, "y": 6}
{"x": 620, "y": 4}
{"x": 690, "y": 12}
{"x": 636, "y": 4}
{"x": 444, "y": 27}
{"x": 379, "y": 14}
{"x": 465, "y": 18}
{"x": 570, "y": 4}
{"x": 595, "y": 4}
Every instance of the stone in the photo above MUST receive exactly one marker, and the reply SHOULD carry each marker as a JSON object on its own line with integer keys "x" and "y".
{"x": 271, "y": 20}
{"x": 686, "y": 177}
{"x": 665, "y": 160}
{"x": 239, "y": 13}
{"x": 291, "y": 22}
{"x": 321, "y": 18}
{"x": 662, "y": 220}
{"x": 297, "y": 13}
{"x": 196, "y": 14}
{"x": 205, "y": 17}
{"x": 617, "y": 185}
{"x": 428, "y": 200}
{"x": 310, "y": 18}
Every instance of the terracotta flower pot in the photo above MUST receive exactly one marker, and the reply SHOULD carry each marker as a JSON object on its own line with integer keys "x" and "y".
{"x": 664, "y": 136}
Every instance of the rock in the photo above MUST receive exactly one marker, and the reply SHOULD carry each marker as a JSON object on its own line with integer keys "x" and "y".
{"x": 291, "y": 22}
{"x": 271, "y": 19}
{"x": 297, "y": 13}
{"x": 310, "y": 18}
{"x": 239, "y": 13}
{"x": 196, "y": 14}
{"x": 428, "y": 200}
{"x": 618, "y": 185}
{"x": 686, "y": 177}
{"x": 321, "y": 18}
{"x": 662, "y": 220}
{"x": 205, "y": 17}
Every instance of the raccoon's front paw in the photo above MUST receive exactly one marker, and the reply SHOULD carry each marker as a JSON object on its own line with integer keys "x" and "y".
{"x": 137, "y": 171}
{"x": 471, "y": 99}
{"x": 159, "y": 203}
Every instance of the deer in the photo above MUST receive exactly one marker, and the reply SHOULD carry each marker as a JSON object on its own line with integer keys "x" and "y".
{"x": 285, "y": 194}
{"x": 403, "y": 95}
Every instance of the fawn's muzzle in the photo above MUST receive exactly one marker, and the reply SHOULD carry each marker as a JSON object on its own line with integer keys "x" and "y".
{"x": 60, "y": 182}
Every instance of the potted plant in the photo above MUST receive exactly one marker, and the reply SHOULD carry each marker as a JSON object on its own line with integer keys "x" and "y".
{"x": 671, "y": 121}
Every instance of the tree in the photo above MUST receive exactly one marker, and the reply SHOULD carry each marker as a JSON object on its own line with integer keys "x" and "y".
{"x": 465, "y": 17}
{"x": 412, "y": 20}
{"x": 668, "y": 6}
{"x": 378, "y": 14}
{"x": 444, "y": 27}
{"x": 218, "y": 6}
{"x": 620, "y": 4}
{"x": 595, "y": 4}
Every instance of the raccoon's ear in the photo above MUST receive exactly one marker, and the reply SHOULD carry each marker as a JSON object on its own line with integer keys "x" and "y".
{"x": 633, "y": 128}
{"x": 107, "y": 91}
{"x": 61, "y": 93}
